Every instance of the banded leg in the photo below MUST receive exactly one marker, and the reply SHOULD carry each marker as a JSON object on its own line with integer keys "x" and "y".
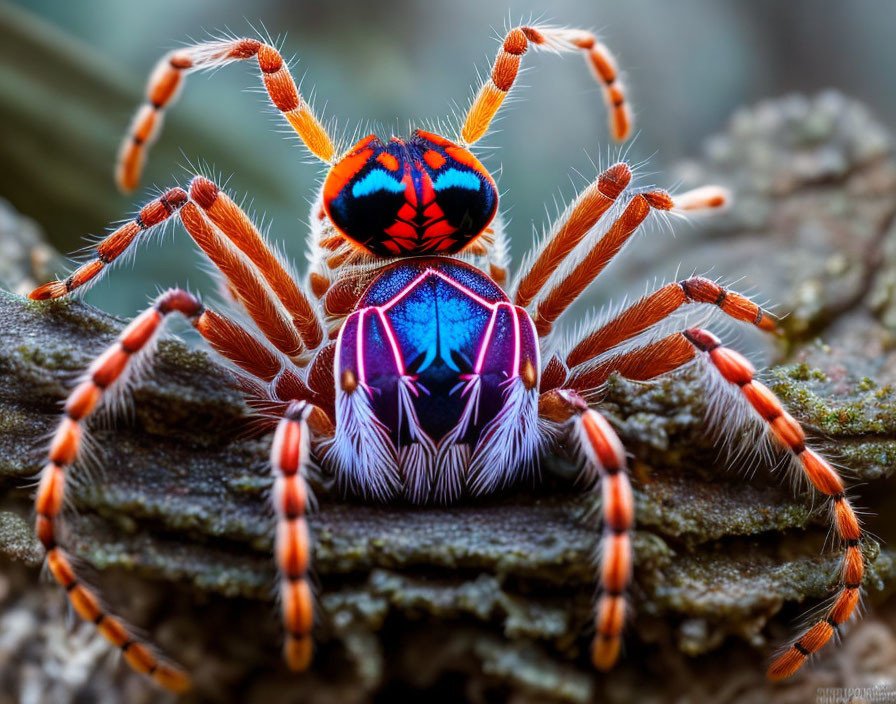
{"x": 659, "y": 305}
{"x": 571, "y": 228}
{"x": 256, "y": 278}
{"x": 564, "y": 292}
{"x": 233, "y": 222}
{"x": 289, "y": 461}
{"x": 166, "y": 81}
{"x": 605, "y": 461}
{"x": 670, "y": 353}
{"x": 104, "y": 374}
{"x": 572, "y": 284}
{"x": 506, "y": 67}
{"x": 150, "y": 216}
{"x": 735, "y": 369}
{"x": 641, "y": 364}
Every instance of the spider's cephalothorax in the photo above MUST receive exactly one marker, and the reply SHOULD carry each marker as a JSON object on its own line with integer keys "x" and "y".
{"x": 422, "y": 376}
{"x": 425, "y": 195}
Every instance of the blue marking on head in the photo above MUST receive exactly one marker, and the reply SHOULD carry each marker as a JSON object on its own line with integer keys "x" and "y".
{"x": 376, "y": 180}
{"x": 455, "y": 178}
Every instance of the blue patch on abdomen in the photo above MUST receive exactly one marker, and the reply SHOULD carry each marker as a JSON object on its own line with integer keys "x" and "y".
{"x": 438, "y": 329}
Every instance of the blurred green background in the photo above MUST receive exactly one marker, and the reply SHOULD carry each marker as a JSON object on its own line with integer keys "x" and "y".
{"x": 73, "y": 72}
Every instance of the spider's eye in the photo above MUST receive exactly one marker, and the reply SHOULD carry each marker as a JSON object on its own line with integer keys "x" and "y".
{"x": 425, "y": 195}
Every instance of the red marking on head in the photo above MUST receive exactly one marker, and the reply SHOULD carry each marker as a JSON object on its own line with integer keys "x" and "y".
{"x": 439, "y": 229}
{"x": 434, "y": 159}
{"x": 389, "y": 161}
{"x": 426, "y": 189}
{"x": 343, "y": 172}
{"x": 401, "y": 229}
{"x": 433, "y": 211}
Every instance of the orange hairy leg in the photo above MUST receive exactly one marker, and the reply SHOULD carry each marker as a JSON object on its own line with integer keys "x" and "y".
{"x": 289, "y": 461}
{"x": 109, "y": 370}
{"x": 154, "y": 213}
{"x": 233, "y": 221}
{"x": 226, "y": 235}
{"x": 582, "y": 215}
{"x": 572, "y": 284}
{"x": 559, "y": 298}
{"x": 506, "y": 68}
{"x": 604, "y": 460}
{"x": 788, "y": 433}
{"x": 244, "y": 282}
{"x": 640, "y": 364}
{"x": 238, "y": 345}
{"x": 659, "y": 305}
{"x": 678, "y": 349}
{"x": 166, "y": 81}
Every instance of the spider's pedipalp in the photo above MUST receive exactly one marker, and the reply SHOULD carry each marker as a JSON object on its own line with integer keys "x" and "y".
{"x": 107, "y": 371}
{"x": 505, "y": 70}
{"x": 165, "y": 83}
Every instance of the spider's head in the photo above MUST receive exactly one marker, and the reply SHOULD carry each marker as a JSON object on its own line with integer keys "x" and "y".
{"x": 425, "y": 195}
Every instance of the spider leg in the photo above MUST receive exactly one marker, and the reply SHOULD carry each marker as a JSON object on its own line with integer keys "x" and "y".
{"x": 271, "y": 382}
{"x": 670, "y": 353}
{"x": 150, "y": 216}
{"x": 255, "y": 276}
{"x": 571, "y": 228}
{"x": 654, "y": 308}
{"x": 736, "y": 370}
{"x": 290, "y": 459}
{"x": 166, "y": 81}
{"x": 506, "y": 67}
{"x": 233, "y": 222}
{"x": 582, "y": 216}
{"x": 107, "y": 371}
{"x": 604, "y": 461}
{"x": 571, "y": 286}
{"x": 640, "y": 364}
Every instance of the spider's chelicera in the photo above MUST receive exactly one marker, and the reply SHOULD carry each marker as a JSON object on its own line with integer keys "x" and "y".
{"x": 406, "y": 363}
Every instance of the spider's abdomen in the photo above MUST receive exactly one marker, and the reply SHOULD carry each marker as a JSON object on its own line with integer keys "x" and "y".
{"x": 443, "y": 363}
{"x": 425, "y": 195}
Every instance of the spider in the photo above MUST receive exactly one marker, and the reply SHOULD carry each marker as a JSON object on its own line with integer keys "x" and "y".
{"x": 406, "y": 364}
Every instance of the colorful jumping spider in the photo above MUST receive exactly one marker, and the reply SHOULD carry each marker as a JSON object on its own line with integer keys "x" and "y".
{"x": 407, "y": 365}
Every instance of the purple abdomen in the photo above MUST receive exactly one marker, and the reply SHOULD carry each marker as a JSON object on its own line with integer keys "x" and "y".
{"x": 438, "y": 351}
